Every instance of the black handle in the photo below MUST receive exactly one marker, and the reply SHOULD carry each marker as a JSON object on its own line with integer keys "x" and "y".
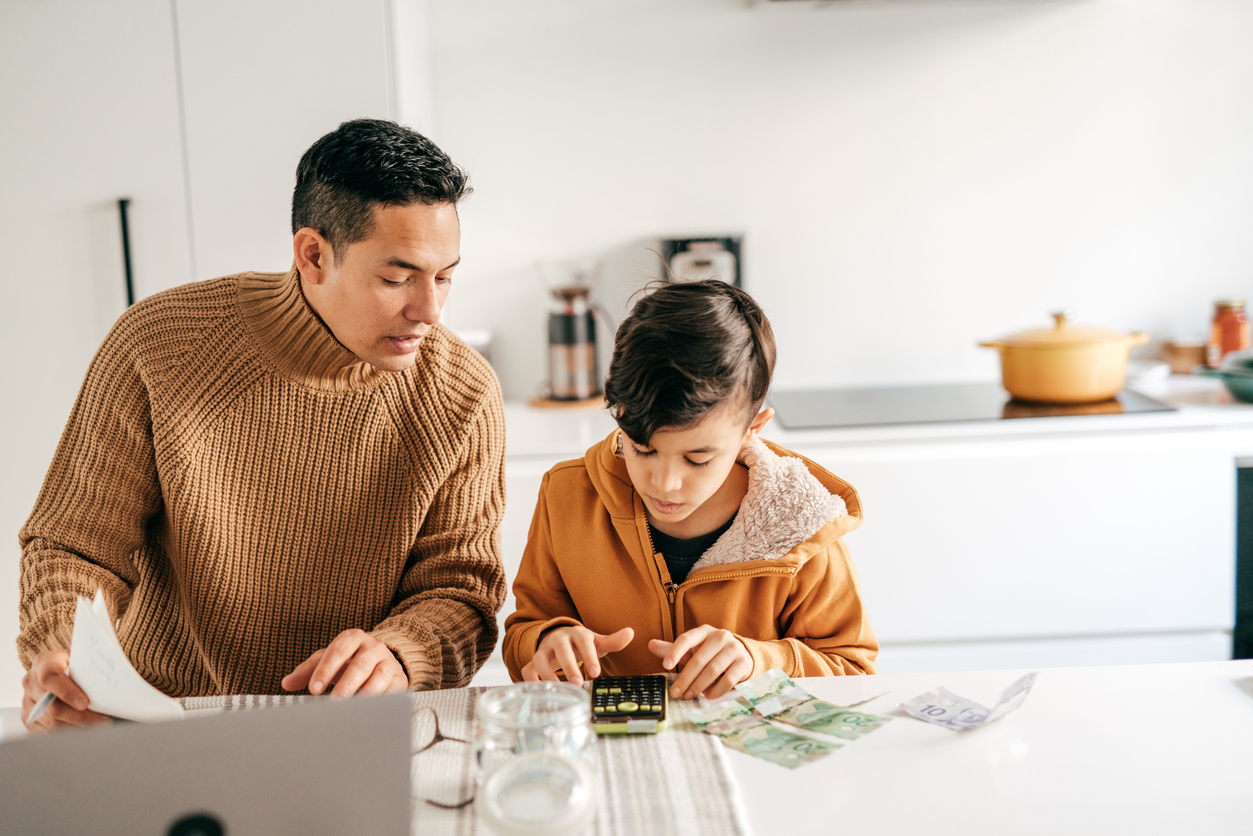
{"x": 122, "y": 204}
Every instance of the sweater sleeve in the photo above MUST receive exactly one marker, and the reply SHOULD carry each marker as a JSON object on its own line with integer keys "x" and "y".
{"x": 443, "y": 626}
{"x": 99, "y": 496}
{"x": 540, "y": 593}
{"x": 824, "y": 627}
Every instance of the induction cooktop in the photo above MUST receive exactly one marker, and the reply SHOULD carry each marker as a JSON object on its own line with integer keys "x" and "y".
{"x": 807, "y": 409}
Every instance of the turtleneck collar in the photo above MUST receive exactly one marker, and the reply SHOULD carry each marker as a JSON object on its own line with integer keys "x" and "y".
{"x": 294, "y": 339}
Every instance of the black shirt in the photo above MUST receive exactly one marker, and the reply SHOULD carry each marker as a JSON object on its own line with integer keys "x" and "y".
{"x": 681, "y": 555}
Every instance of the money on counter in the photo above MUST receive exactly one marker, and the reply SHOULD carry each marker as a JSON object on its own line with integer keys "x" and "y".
{"x": 740, "y": 728}
{"x": 944, "y": 708}
{"x": 776, "y": 745}
{"x": 771, "y": 692}
{"x": 723, "y": 715}
{"x": 775, "y": 695}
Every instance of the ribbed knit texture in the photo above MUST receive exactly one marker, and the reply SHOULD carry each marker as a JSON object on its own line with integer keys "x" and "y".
{"x": 243, "y": 488}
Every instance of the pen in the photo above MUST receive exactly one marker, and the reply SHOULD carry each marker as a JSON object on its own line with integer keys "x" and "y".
{"x": 40, "y": 708}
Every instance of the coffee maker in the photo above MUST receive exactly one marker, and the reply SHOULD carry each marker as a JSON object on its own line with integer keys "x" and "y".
{"x": 712, "y": 257}
{"x": 573, "y": 366}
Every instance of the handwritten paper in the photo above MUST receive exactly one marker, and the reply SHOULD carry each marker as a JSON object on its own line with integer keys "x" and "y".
{"x": 100, "y": 667}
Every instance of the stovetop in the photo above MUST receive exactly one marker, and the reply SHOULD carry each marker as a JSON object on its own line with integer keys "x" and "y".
{"x": 807, "y": 409}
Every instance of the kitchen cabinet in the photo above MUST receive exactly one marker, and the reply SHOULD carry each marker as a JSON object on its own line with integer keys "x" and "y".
{"x": 1059, "y": 550}
{"x": 262, "y": 81}
{"x": 1031, "y": 543}
{"x": 198, "y": 111}
{"x": 91, "y": 114}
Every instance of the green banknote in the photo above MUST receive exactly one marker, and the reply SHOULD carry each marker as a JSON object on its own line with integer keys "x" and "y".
{"x": 772, "y": 692}
{"x": 742, "y": 728}
{"x": 776, "y": 695}
{"x": 723, "y": 716}
{"x": 778, "y": 746}
{"x": 834, "y": 720}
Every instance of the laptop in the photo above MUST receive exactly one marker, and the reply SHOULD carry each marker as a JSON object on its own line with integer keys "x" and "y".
{"x": 317, "y": 768}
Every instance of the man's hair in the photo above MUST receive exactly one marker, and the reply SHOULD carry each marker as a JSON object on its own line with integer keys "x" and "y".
{"x": 366, "y": 163}
{"x": 685, "y": 350}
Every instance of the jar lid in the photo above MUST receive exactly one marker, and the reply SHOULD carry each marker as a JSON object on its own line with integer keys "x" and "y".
{"x": 1233, "y": 302}
{"x": 1062, "y": 335}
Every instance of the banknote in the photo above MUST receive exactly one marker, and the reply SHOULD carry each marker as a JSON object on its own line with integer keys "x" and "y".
{"x": 944, "y": 708}
{"x": 741, "y": 728}
{"x": 723, "y": 716}
{"x": 772, "y": 692}
{"x": 819, "y": 716}
{"x": 777, "y": 745}
{"x": 775, "y": 695}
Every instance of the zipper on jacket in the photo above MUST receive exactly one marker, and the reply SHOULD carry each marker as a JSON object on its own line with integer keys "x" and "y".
{"x": 671, "y": 587}
{"x": 672, "y": 590}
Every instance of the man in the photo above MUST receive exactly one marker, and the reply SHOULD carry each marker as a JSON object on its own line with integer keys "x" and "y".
{"x": 286, "y": 481}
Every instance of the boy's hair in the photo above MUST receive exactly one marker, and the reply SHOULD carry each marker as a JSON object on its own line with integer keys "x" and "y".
{"x": 366, "y": 163}
{"x": 685, "y": 350}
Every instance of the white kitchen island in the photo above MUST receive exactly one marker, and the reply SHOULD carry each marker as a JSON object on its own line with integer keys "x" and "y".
{"x": 1143, "y": 749}
{"x": 1105, "y": 539}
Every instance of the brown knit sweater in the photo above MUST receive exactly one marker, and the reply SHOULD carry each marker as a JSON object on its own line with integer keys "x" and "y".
{"x": 243, "y": 488}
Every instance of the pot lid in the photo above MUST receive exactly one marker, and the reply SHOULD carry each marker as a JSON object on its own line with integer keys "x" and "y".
{"x": 1062, "y": 334}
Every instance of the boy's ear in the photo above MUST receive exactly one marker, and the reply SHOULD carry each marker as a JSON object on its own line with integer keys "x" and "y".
{"x": 759, "y": 423}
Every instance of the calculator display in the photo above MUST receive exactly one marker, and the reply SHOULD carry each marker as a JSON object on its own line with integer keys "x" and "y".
{"x": 629, "y": 704}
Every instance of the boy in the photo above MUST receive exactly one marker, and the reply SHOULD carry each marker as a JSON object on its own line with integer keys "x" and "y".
{"x": 682, "y": 540}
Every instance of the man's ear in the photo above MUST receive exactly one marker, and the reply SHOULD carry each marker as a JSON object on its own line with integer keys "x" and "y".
{"x": 759, "y": 423}
{"x": 313, "y": 255}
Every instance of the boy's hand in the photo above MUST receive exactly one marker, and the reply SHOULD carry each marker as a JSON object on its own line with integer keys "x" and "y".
{"x": 714, "y": 661}
{"x": 563, "y": 648}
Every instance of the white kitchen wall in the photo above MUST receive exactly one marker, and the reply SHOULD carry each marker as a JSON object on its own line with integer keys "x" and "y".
{"x": 909, "y": 176}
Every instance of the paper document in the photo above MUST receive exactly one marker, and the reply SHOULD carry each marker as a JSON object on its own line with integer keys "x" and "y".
{"x": 100, "y": 667}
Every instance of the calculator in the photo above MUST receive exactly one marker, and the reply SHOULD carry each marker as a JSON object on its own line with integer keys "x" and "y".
{"x": 630, "y": 704}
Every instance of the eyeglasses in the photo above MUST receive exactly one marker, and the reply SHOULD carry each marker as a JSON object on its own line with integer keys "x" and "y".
{"x": 426, "y": 736}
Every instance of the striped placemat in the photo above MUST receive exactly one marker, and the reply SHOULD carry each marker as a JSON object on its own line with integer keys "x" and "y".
{"x": 674, "y": 783}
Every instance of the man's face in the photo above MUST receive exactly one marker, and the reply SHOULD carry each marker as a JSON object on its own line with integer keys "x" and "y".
{"x": 387, "y": 291}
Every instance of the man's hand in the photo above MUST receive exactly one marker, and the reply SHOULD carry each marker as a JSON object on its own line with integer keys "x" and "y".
{"x": 50, "y": 674}
{"x": 563, "y": 648}
{"x": 355, "y": 663}
{"x": 714, "y": 661}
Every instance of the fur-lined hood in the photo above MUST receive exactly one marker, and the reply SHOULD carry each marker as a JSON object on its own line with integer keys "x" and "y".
{"x": 793, "y": 507}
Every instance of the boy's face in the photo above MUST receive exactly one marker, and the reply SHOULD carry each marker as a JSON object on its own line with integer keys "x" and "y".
{"x": 682, "y": 469}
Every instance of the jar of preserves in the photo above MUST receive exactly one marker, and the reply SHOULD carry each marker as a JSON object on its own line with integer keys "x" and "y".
{"x": 1229, "y": 331}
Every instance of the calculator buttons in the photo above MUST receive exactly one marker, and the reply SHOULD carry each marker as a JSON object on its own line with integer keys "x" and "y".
{"x": 628, "y": 707}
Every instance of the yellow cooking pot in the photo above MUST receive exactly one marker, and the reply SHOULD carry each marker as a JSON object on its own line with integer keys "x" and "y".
{"x": 1065, "y": 364}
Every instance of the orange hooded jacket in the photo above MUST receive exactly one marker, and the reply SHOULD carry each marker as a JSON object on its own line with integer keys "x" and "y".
{"x": 780, "y": 578}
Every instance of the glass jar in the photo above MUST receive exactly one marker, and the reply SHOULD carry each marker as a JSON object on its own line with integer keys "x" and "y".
{"x": 1229, "y": 331}
{"x": 534, "y": 751}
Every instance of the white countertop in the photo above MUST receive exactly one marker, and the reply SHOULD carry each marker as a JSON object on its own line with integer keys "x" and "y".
{"x": 1202, "y": 403}
{"x": 1144, "y": 749}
